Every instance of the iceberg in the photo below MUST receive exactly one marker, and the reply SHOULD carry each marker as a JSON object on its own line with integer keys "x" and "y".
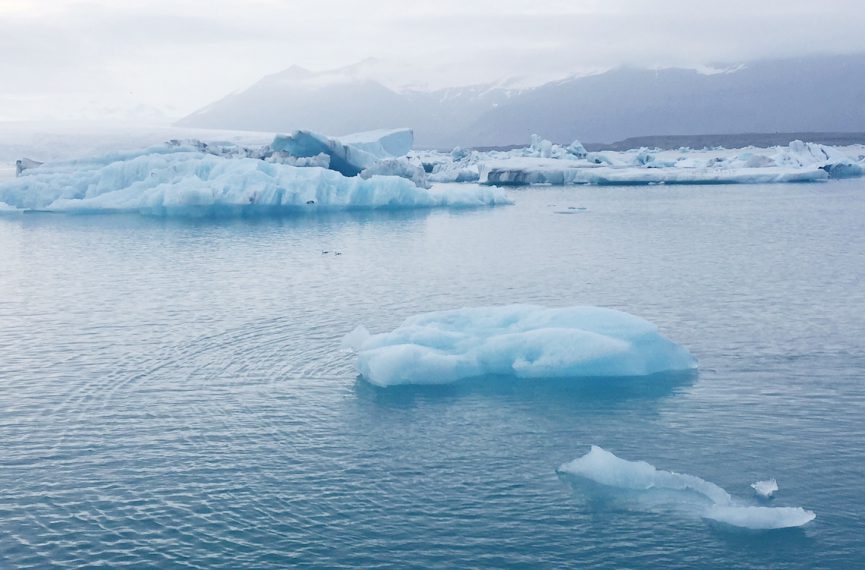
{"x": 708, "y": 499}
{"x": 179, "y": 180}
{"x": 522, "y": 341}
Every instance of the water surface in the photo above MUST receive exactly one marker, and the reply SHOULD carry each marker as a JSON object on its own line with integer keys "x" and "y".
{"x": 172, "y": 393}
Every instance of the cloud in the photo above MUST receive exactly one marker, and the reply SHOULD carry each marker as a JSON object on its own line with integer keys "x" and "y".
{"x": 182, "y": 54}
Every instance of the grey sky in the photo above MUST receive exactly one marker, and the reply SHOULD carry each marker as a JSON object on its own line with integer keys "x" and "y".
{"x": 107, "y": 57}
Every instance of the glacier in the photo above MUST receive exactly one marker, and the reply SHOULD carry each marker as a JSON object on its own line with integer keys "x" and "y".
{"x": 522, "y": 341}
{"x": 184, "y": 178}
{"x": 681, "y": 490}
{"x": 543, "y": 162}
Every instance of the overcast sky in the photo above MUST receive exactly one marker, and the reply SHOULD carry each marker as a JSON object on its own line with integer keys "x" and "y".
{"x": 62, "y": 58}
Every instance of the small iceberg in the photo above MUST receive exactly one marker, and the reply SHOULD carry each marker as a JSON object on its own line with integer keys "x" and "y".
{"x": 706, "y": 498}
{"x": 765, "y": 488}
{"x": 522, "y": 341}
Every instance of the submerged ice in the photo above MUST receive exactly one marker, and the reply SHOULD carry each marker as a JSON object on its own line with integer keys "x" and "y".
{"x": 522, "y": 341}
{"x": 708, "y": 499}
{"x": 196, "y": 179}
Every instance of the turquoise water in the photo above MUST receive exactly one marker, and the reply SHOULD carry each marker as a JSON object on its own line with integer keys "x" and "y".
{"x": 172, "y": 393}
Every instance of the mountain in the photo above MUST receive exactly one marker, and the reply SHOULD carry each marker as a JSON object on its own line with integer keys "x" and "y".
{"x": 331, "y": 103}
{"x": 348, "y": 100}
{"x": 818, "y": 93}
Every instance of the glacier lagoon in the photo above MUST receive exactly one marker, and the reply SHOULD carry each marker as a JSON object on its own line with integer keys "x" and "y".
{"x": 173, "y": 391}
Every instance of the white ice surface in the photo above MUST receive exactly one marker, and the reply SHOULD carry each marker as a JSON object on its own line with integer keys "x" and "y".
{"x": 545, "y": 163}
{"x": 710, "y": 500}
{"x": 401, "y": 167}
{"x": 522, "y": 341}
{"x": 174, "y": 180}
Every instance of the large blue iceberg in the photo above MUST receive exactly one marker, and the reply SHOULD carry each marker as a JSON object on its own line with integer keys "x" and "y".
{"x": 680, "y": 490}
{"x": 190, "y": 180}
{"x": 522, "y": 341}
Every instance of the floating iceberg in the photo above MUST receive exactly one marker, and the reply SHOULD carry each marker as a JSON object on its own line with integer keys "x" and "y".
{"x": 710, "y": 500}
{"x": 543, "y": 162}
{"x": 522, "y": 341}
{"x": 175, "y": 179}
{"x": 765, "y": 488}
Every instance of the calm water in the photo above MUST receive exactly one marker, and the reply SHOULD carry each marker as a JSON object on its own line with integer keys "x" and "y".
{"x": 172, "y": 393}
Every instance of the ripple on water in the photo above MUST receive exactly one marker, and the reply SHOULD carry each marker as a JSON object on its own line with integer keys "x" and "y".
{"x": 172, "y": 394}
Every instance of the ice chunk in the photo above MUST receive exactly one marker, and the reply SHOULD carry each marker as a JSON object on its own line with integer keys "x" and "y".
{"x": 541, "y": 147}
{"x": 320, "y": 160}
{"x": 23, "y": 164}
{"x": 398, "y": 167}
{"x": 708, "y": 499}
{"x": 577, "y": 149}
{"x": 765, "y": 488}
{"x": 173, "y": 180}
{"x": 522, "y": 341}
{"x": 459, "y": 153}
{"x": 348, "y": 155}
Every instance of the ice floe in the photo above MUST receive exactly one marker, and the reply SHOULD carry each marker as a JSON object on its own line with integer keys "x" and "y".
{"x": 707, "y": 499}
{"x": 522, "y": 341}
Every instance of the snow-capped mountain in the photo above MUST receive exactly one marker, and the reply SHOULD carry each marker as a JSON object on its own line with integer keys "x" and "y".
{"x": 825, "y": 93}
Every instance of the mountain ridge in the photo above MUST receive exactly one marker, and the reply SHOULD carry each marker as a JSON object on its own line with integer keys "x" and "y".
{"x": 809, "y": 94}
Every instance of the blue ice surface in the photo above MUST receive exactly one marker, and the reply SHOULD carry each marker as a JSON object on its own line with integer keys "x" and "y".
{"x": 351, "y": 154}
{"x": 523, "y": 341}
{"x": 181, "y": 181}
